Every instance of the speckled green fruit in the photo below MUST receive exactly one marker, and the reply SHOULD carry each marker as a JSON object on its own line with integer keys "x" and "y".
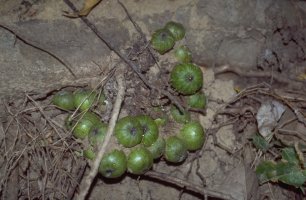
{"x": 128, "y": 131}
{"x": 186, "y": 78}
{"x": 176, "y": 29}
{"x": 193, "y": 135}
{"x": 113, "y": 164}
{"x": 91, "y": 117}
{"x": 64, "y": 100}
{"x": 86, "y": 98}
{"x": 150, "y": 129}
{"x": 183, "y": 54}
{"x": 197, "y": 100}
{"x": 176, "y": 150}
{"x": 178, "y": 116}
{"x": 139, "y": 161}
{"x": 89, "y": 154}
{"x": 82, "y": 124}
{"x": 162, "y": 41}
{"x": 97, "y": 133}
{"x": 82, "y": 128}
{"x": 157, "y": 149}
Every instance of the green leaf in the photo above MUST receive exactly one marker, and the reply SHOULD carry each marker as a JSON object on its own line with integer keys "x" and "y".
{"x": 289, "y": 155}
{"x": 266, "y": 171}
{"x": 290, "y": 174}
{"x": 260, "y": 142}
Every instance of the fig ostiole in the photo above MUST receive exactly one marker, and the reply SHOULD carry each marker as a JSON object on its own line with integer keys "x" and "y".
{"x": 139, "y": 160}
{"x": 128, "y": 131}
{"x": 192, "y": 133}
{"x": 149, "y": 128}
{"x": 162, "y": 41}
{"x": 175, "y": 150}
{"x": 113, "y": 164}
{"x": 97, "y": 133}
{"x": 186, "y": 78}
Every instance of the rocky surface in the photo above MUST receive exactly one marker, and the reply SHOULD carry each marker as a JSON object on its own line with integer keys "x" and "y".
{"x": 240, "y": 33}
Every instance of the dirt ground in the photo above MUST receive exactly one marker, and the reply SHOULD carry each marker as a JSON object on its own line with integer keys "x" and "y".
{"x": 250, "y": 53}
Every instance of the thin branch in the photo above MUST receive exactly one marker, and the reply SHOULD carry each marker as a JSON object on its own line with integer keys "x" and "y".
{"x": 126, "y": 60}
{"x": 86, "y": 183}
{"x": 278, "y": 77}
{"x": 138, "y": 29}
{"x": 189, "y": 186}
{"x": 67, "y": 66}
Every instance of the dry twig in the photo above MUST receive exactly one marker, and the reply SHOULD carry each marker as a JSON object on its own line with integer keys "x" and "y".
{"x": 86, "y": 183}
{"x": 189, "y": 186}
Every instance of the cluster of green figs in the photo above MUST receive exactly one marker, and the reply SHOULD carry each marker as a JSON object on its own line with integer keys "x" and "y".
{"x": 185, "y": 77}
{"x": 139, "y": 140}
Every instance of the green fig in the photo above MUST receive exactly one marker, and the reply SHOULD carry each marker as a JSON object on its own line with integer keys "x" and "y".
{"x": 183, "y": 54}
{"x": 197, "y": 100}
{"x": 64, "y": 100}
{"x": 128, "y": 131}
{"x": 176, "y": 29}
{"x": 162, "y": 41}
{"x": 186, "y": 78}
{"x": 139, "y": 160}
{"x": 193, "y": 135}
{"x": 176, "y": 150}
{"x": 150, "y": 129}
{"x": 113, "y": 164}
{"x": 97, "y": 133}
{"x": 157, "y": 149}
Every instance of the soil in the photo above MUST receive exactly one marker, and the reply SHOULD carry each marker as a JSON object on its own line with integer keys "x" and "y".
{"x": 250, "y": 52}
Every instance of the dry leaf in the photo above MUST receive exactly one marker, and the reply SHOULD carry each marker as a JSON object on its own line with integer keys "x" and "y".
{"x": 267, "y": 117}
{"x": 87, "y": 7}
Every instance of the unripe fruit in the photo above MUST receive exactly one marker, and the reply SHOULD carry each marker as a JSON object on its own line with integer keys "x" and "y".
{"x": 197, "y": 100}
{"x": 150, "y": 129}
{"x": 82, "y": 124}
{"x": 176, "y": 150}
{"x": 157, "y": 149}
{"x": 113, "y": 164}
{"x": 176, "y": 29}
{"x": 89, "y": 154}
{"x": 86, "y": 98}
{"x": 64, "y": 100}
{"x": 183, "y": 54}
{"x": 193, "y": 135}
{"x": 139, "y": 161}
{"x": 97, "y": 133}
{"x": 186, "y": 78}
{"x": 162, "y": 41}
{"x": 128, "y": 131}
